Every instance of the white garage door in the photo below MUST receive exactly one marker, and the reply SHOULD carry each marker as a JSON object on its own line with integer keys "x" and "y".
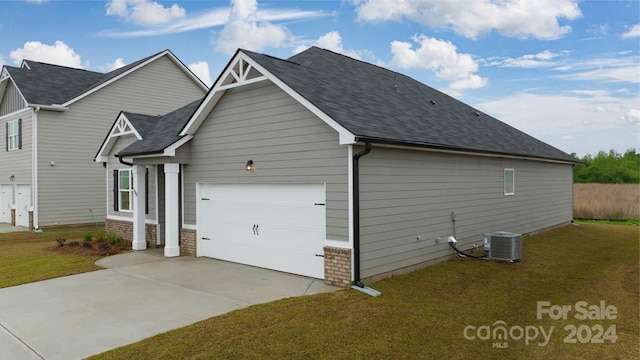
{"x": 275, "y": 226}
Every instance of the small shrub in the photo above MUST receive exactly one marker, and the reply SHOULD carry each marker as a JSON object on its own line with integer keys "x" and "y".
{"x": 114, "y": 239}
{"x": 74, "y": 243}
{"x": 87, "y": 245}
{"x": 87, "y": 237}
{"x": 99, "y": 237}
{"x": 60, "y": 242}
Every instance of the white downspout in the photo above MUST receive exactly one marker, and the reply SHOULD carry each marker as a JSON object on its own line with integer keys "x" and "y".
{"x": 34, "y": 161}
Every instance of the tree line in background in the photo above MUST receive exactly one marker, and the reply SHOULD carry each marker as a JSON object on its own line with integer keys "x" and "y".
{"x": 608, "y": 168}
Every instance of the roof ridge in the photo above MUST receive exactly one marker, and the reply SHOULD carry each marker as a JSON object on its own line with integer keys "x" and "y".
{"x": 56, "y": 65}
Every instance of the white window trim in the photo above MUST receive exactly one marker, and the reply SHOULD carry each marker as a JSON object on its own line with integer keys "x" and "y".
{"x": 13, "y": 135}
{"x": 513, "y": 181}
{"x": 129, "y": 191}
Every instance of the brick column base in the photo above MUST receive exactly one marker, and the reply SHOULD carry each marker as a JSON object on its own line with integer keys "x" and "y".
{"x": 30, "y": 220}
{"x": 124, "y": 229}
{"x": 187, "y": 242}
{"x": 13, "y": 217}
{"x": 337, "y": 266}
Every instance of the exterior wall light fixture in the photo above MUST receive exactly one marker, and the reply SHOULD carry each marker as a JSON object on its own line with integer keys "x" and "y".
{"x": 250, "y": 166}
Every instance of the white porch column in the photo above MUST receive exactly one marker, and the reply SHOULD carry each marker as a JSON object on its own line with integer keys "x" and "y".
{"x": 139, "y": 193}
{"x": 172, "y": 219}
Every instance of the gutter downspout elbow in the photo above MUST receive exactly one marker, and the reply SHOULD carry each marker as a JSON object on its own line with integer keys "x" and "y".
{"x": 356, "y": 213}
{"x": 122, "y": 161}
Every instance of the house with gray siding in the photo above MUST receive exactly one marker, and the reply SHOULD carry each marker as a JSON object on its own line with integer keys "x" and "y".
{"x": 51, "y": 118}
{"x": 329, "y": 167}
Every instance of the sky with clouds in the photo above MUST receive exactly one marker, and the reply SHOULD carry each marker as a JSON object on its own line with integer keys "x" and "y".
{"x": 564, "y": 71}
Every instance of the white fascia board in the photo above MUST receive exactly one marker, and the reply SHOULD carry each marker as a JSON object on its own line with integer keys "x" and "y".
{"x": 6, "y": 76}
{"x": 210, "y": 100}
{"x": 17, "y": 113}
{"x": 171, "y": 149}
{"x": 344, "y": 133}
{"x": 109, "y": 141}
{"x": 149, "y": 61}
{"x": 53, "y": 107}
{"x": 346, "y": 137}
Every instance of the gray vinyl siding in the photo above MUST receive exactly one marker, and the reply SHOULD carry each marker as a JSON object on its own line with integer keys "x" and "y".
{"x": 12, "y": 100}
{"x": 406, "y": 194}
{"x": 114, "y": 164}
{"x": 71, "y": 139}
{"x": 17, "y": 163}
{"x": 287, "y": 143}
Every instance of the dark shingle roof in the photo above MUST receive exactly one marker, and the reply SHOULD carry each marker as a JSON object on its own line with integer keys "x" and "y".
{"x": 47, "y": 84}
{"x": 378, "y": 104}
{"x": 158, "y": 132}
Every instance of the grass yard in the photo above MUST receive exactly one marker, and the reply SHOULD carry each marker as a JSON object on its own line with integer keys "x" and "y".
{"x": 424, "y": 314}
{"x": 23, "y": 257}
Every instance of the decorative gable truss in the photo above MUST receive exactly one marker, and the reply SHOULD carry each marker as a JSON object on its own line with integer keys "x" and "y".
{"x": 243, "y": 70}
{"x": 240, "y": 73}
{"x": 121, "y": 127}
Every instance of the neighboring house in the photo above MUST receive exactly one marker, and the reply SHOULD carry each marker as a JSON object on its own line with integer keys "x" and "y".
{"x": 52, "y": 117}
{"x": 329, "y": 167}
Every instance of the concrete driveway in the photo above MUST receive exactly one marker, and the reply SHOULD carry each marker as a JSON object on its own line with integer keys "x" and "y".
{"x": 139, "y": 295}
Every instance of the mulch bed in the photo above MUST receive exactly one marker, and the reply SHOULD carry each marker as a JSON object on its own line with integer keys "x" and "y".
{"x": 92, "y": 249}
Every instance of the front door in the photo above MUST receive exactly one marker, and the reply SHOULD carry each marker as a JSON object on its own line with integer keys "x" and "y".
{"x": 23, "y": 202}
{"x": 6, "y": 196}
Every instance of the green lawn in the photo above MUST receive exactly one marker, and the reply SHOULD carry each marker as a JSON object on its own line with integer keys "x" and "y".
{"x": 23, "y": 257}
{"x": 424, "y": 314}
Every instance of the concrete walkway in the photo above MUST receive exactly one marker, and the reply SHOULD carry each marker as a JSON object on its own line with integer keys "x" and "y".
{"x": 6, "y": 228}
{"x": 139, "y": 295}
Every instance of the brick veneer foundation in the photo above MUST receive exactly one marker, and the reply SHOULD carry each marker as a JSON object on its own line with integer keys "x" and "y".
{"x": 188, "y": 242}
{"x": 337, "y": 266}
{"x": 124, "y": 229}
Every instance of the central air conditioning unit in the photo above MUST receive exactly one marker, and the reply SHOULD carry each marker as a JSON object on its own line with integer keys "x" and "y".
{"x": 503, "y": 246}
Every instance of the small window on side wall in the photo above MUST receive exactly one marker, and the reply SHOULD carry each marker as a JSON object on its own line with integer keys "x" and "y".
{"x": 509, "y": 182}
{"x": 125, "y": 190}
{"x": 14, "y": 134}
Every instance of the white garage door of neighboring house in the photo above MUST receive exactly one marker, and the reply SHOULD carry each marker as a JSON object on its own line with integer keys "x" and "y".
{"x": 23, "y": 202}
{"x": 275, "y": 226}
{"x": 5, "y": 203}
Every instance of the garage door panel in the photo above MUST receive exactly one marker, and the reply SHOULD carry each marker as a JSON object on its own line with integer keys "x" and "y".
{"x": 277, "y": 226}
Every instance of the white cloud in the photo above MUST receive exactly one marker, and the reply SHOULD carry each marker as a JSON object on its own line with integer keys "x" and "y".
{"x": 601, "y": 121}
{"x": 2, "y": 62}
{"x": 558, "y": 114}
{"x": 245, "y": 30}
{"x": 634, "y": 32}
{"x": 201, "y": 69}
{"x": 333, "y": 41}
{"x": 513, "y": 18}
{"x": 211, "y": 18}
{"x": 59, "y": 54}
{"x": 117, "y": 64}
{"x": 145, "y": 12}
{"x": 541, "y": 59}
{"x": 440, "y": 56}
{"x": 607, "y": 69}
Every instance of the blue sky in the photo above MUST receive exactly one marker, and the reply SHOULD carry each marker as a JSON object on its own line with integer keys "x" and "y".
{"x": 564, "y": 71}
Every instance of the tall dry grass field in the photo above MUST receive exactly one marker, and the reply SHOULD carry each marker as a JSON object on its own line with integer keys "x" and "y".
{"x": 606, "y": 201}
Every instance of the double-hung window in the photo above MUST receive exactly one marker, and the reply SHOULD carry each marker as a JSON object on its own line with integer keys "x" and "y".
{"x": 509, "y": 182}
{"x": 14, "y": 134}
{"x": 125, "y": 190}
